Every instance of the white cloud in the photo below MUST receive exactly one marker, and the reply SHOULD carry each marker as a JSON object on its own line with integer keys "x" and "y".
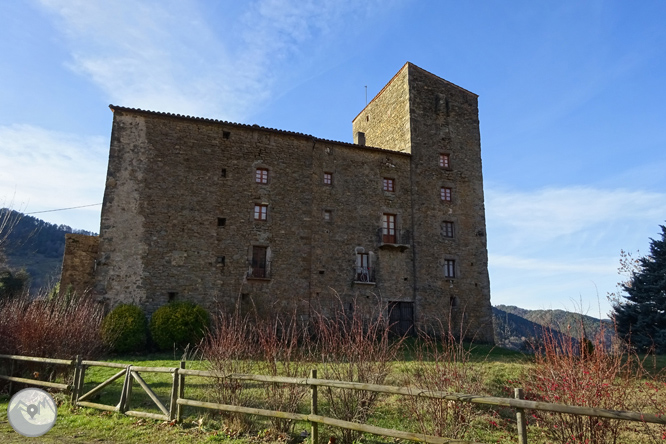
{"x": 45, "y": 170}
{"x": 175, "y": 56}
{"x": 552, "y": 213}
{"x": 552, "y": 246}
{"x": 589, "y": 266}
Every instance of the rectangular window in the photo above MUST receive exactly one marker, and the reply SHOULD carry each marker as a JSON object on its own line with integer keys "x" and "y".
{"x": 363, "y": 268}
{"x": 261, "y": 175}
{"x": 447, "y": 229}
{"x": 259, "y": 262}
{"x": 223, "y": 173}
{"x": 388, "y": 228}
{"x": 221, "y": 221}
{"x": 449, "y": 268}
{"x": 328, "y": 178}
{"x": 327, "y": 215}
{"x": 260, "y": 211}
{"x": 444, "y": 161}
{"x": 445, "y": 194}
{"x": 389, "y": 184}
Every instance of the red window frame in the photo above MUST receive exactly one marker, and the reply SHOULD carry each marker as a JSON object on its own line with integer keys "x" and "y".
{"x": 260, "y": 212}
{"x": 389, "y": 184}
{"x": 388, "y": 228}
{"x": 444, "y": 161}
{"x": 328, "y": 178}
{"x": 259, "y": 262}
{"x": 445, "y": 194}
{"x": 261, "y": 175}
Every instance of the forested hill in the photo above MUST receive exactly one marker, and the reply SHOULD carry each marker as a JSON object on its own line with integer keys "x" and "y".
{"x": 514, "y": 325}
{"x": 37, "y": 246}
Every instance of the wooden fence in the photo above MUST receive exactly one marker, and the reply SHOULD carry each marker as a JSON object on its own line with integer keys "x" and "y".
{"x": 131, "y": 373}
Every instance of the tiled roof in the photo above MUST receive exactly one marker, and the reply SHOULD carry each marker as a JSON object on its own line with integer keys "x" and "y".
{"x": 243, "y": 125}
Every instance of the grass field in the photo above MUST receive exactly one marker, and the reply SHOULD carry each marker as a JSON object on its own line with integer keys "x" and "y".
{"x": 500, "y": 369}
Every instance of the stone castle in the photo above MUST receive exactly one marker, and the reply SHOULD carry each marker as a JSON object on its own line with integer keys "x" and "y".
{"x": 221, "y": 213}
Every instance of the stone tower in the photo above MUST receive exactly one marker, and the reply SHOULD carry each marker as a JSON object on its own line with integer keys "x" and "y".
{"x": 437, "y": 123}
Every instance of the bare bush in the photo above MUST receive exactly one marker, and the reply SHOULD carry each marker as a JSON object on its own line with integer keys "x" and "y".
{"x": 229, "y": 348}
{"x": 353, "y": 347}
{"x": 278, "y": 342}
{"x": 59, "y": 326}
{"x": 443, "y": 364}
{"x": 582, "y": 373}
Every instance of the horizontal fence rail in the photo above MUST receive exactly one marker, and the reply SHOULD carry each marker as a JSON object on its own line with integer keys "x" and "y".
{"x": 131, "y": 374}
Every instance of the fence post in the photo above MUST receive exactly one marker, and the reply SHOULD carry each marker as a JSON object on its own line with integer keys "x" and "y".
{"x": 11, "y": 373}
{"x": 174, "y": 395}
{"x": 520, "y": 418}
{"x": 314, "y": 427}
{"x": 181, "y": 393}
{"x": 77, "y": 374}
{"x": 126, "y": 393}
{"x": 81, "y": 381}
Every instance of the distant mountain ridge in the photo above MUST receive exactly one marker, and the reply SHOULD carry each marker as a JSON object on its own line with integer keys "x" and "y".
{"x": 37, "y": 247}
{"x": 514, "y": 326}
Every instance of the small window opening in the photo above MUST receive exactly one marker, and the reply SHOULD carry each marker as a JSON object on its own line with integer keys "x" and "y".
{"x": 261, "y": 175}
{"x": 327, "y": 215}
{"x": 321, "y": 271}
{"x": 260, "y": 212}
{"x": 449, "y": 268}
{"x": 389, "y": 184}
{"x": 220, "y": 260}
{"x": 453, "y": 301}
{"x": 447, "y": 229}
{"x": 444, "y": 161}
{"x": 221, "y": 221}
{"x": 328, "y": 178}
{"x": 226, "y": 134}
{"x": 445, "y": 194}
{"x": 223, "y": 173}
{"x": 172, "y": 296}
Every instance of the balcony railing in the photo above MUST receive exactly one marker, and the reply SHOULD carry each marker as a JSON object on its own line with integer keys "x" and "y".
{"x": 399, "y": 239}
{"x": 259, "y": 272}
{"x": 364, "y": 275}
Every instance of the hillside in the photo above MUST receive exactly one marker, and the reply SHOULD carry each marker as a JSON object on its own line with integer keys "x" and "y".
{"x": 38, "y": 247}
{"x": 514, "y": 325}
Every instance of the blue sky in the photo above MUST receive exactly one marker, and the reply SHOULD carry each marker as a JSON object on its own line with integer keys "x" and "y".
{"x": 571, "y": 98}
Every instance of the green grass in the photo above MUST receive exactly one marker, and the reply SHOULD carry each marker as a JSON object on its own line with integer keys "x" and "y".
{"x": 501, "y": 368}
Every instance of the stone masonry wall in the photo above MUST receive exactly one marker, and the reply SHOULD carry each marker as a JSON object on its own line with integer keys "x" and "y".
{"x": 440, "y": 118}
{"x": 202, "y": 171}
{"x": 78, "y": 265}
{"x": 385, "y": 120}
{"x": 444, "y": 120}
{"x": 178, "y": 215}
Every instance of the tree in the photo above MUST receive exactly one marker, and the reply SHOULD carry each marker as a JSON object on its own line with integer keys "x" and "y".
{"x": 8, "y": 220}
{"x": 641, "y": 318}
{"x": 13, "y": 283}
